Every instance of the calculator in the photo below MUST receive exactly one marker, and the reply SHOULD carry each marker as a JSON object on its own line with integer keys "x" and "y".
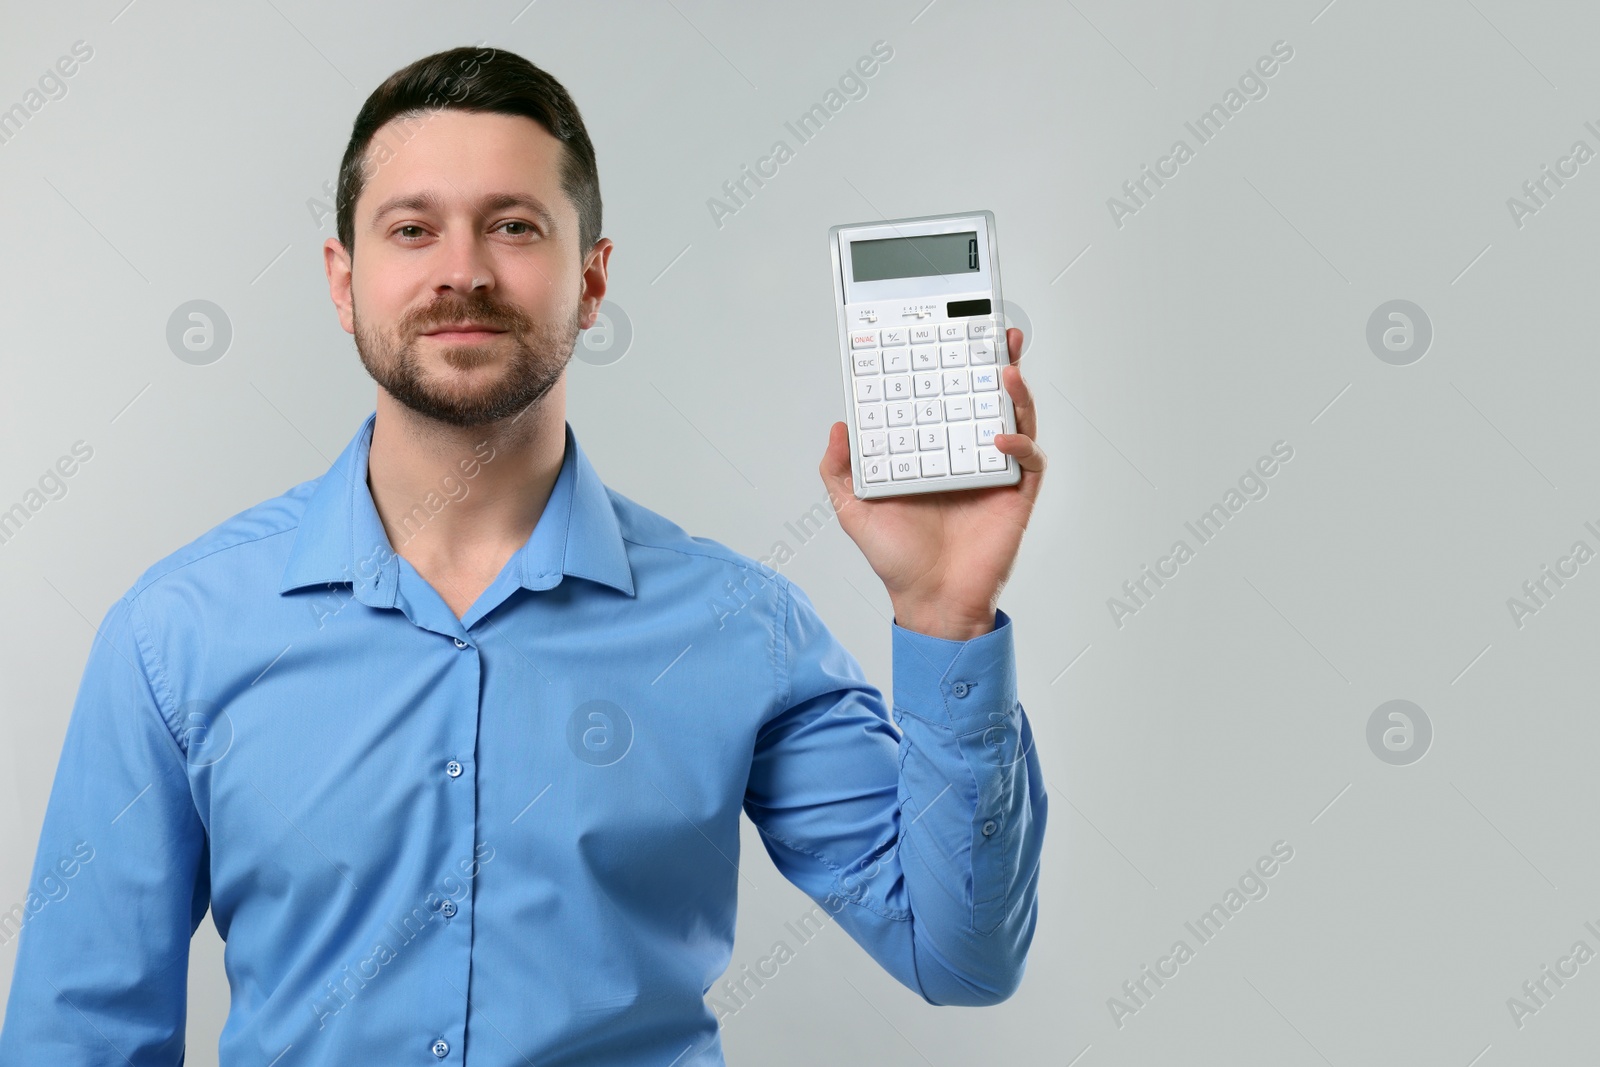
{"x": 922, "y": 342}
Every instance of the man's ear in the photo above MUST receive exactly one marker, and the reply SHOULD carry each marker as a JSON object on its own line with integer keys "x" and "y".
{"x": 594, "y": 282}
{"x": 336, "y": 261}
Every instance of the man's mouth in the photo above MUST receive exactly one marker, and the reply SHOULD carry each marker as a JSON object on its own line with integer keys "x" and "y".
{"x": 464, "y": 333}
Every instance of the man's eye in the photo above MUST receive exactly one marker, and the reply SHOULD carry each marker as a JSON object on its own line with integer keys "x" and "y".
{"x": 402, "y": 229}
{"x": 526, "y": 229}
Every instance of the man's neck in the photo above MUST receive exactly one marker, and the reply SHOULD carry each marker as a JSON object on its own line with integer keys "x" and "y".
{"x": 459, "y": 500}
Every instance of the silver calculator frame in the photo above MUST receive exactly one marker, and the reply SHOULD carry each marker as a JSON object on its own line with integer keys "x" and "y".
{"x": 951, "y": 483}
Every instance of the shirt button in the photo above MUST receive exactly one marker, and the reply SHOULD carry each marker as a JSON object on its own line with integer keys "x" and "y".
{"x": 441, "y": 1048}
{"x": 989, "y": 827}
{"x": 448, "y": 907}
{"x": 453, "y": 769}
{"x": 460, "y": 643}
{"x": 959, "y": 689}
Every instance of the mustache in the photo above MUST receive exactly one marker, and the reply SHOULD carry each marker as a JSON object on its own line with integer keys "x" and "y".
{"x": 445, "y": 312}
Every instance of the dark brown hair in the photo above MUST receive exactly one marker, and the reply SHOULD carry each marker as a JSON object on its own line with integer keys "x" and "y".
{"x": 472, "y": 79}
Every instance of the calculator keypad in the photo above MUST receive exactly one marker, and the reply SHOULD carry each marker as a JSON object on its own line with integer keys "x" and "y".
{"x": 928, "y": 399}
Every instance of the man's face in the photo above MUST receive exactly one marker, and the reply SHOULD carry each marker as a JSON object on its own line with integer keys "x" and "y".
{"x": 443, "y": 241}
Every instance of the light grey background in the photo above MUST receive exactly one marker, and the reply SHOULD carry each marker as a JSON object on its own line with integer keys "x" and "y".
{"x": 1167, "y": 355}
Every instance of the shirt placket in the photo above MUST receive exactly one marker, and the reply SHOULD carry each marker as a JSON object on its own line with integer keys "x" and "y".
{"x": 454, "y": 772}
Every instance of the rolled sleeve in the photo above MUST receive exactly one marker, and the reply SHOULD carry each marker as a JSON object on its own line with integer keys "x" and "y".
{"x": 119, "y": 880}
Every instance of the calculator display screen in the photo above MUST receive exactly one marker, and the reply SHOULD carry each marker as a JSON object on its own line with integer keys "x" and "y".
{"x": 914, "y": 257}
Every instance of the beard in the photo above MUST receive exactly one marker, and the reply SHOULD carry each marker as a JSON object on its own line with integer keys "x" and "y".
{"x": 534, "y": 354}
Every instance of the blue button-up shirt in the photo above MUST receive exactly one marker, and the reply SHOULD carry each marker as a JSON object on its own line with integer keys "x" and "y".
{"x": 511, "y": 836}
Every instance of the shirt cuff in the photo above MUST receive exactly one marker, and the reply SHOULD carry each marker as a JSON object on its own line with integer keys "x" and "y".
{"x": 959, "y": 684}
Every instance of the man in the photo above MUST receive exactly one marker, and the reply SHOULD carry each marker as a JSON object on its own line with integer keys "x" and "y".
{"x": 453, "y": 740}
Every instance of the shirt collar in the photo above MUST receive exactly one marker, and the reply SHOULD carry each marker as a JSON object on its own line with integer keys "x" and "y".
{"x": 340, "y": 538}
